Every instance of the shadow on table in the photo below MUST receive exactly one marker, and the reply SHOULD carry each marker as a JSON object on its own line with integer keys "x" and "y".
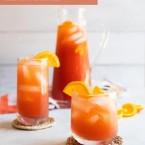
{"x": 55, "y": 142}
{"x": 48, "y": 143}
{"x": 7, "y": 125}
{"x": 61, "y": 143}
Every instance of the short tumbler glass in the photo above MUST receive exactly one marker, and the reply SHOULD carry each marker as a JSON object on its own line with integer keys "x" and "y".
{"x": 94, "y": 121}
{"x": 32, "y": 91}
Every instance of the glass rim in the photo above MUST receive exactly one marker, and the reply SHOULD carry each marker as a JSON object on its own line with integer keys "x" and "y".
{"x": 31, "y": 58}
{"x": 76, "y": 14}
{"x": 64, "y": 9}
{"x": 90, "y": 96}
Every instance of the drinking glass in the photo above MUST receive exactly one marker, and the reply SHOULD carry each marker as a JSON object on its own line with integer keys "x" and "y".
{"x": 32, "y": 91}
{"x": 93, "y": 121}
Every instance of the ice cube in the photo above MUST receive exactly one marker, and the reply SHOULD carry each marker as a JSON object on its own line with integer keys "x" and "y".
{"x": 26, "y": 72}
{"x": 42, "y": 81}
{"x": 29, "y": 88}
{"x": 93, "y": 119}
{"x": 73, "y": 29}
{"x": 80, "y": 40}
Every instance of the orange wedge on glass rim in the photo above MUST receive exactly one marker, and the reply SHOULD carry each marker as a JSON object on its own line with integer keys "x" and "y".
{"x": 52, "y": 58}
{"x": 98, "y": 90}
{"x": 79, "y": 87}
{"x": 83, "y": 90}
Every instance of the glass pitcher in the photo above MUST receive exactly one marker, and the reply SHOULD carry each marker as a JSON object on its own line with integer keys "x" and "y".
{"x": 72, "y": 51}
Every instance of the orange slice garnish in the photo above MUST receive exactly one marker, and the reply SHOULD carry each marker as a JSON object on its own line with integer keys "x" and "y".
{"x": 120, "y": 112}
{"x": 52, "y": 58}
{"x": 139, "y": 107}
{"x": 97, "y": 90}
{"x": 79, "y": 87}
{"x": 130, "y": 110}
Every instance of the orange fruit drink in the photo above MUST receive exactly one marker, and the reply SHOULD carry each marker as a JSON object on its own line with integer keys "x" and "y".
{"x": 32, "y": 88}
{"x": 72, "y": 51}
{"x": 94, "y": 117}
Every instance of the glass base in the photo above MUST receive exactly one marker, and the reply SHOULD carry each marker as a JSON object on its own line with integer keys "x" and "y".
{"x": 30, "y": 121}
{"x": 63, "y": 104}
{"x": 91, "y": 142}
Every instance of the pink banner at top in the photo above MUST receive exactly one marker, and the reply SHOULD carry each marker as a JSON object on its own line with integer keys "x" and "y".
{"x": 48, "y": 2}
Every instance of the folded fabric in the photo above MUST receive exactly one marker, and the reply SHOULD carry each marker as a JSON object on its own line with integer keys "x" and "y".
{"x": 4, "y": 107}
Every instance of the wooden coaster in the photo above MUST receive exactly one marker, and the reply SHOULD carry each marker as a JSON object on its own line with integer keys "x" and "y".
{"x": 116, "y": 141}
{"x": 49, "y": 123}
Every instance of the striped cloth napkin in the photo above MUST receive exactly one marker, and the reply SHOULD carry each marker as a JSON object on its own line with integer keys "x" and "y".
{"x": 8, "y": 104}
{"x": 4, "y": 106}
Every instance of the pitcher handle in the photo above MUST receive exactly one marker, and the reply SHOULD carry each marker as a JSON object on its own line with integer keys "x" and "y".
{"x": 102, "y": 45}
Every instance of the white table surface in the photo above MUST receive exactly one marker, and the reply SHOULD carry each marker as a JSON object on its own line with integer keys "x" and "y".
{"x": 131, "y": 129}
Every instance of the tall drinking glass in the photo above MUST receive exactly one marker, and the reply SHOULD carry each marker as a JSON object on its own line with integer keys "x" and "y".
{"x": 93, "y": 121}
{"x": 32, "y": 91}
{"x": 72, "y": 51}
